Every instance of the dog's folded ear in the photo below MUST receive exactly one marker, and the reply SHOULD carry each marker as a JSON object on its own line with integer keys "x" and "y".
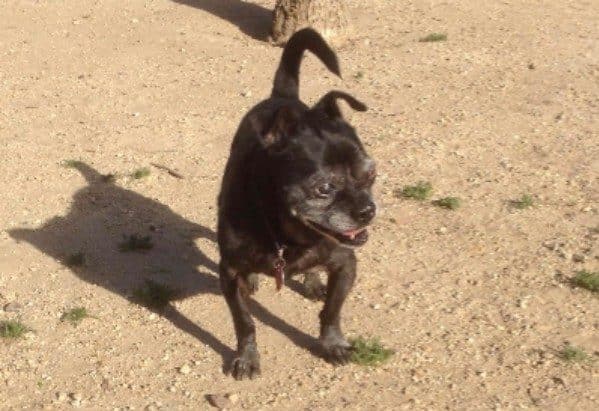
{"x": 282, "y": 124}
{"x": 328, "y": 104}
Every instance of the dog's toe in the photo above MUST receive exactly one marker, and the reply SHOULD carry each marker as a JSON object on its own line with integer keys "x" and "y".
{"x": 245, "y": 366}
{"x": 337, "y": 350}
{"x": 338, "y": 355}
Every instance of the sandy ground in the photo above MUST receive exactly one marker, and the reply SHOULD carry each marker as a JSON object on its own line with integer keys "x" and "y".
{"x": 475, "y": 301}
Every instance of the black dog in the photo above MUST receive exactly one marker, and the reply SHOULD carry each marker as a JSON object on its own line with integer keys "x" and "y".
{"x": 296, "y": 194}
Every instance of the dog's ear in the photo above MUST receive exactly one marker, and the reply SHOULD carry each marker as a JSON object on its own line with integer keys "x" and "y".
{"x": 328, "y": 104}
{"x": 283, "y": 123}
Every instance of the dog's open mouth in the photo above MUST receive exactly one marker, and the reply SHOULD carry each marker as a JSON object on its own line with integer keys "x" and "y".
{"x": 355, "y": 238}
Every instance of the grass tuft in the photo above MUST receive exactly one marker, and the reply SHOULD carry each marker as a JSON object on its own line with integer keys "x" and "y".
{"x": 75, "y": 315}
{"x": 369, "y": 352}
{"x": 75, "y": 260}
{"x": 570, "y": 353}
{"x": 433, "y": 37}
{"x": 587, "y": 279}
{"x": 136, "y": 243}
{"x": 141, "y": 173}
{"x": 421, "y": 191}
{"x": 108, "y": 178}
{"x": 154, "y": 295}
{"x": 451, "y": 203}
{"x": 523, "y": 202}
{"x": 12, "y": 329}
{"x": 359, "y": 75}
{"x": 72, "y": 163}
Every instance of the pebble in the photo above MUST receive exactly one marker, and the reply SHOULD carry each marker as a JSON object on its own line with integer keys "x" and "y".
{"x": 578, "y": 258}
{"x": 246, "y": 93}
{"x": 376, "y": 306}
{"x": 13, "y": 307}
{"x": 184, "y": 369}
{"x": 106, "y": 385}
{"x": 61, "y": 396}
{"x": 234, "y": 398}
{"x": 76, "y": 396}
{"x": 565, "y": 254}
{"x": 218, "y": 400}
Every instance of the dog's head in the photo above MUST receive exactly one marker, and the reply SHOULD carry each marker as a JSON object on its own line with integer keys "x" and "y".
{"x": 322, "y": 173}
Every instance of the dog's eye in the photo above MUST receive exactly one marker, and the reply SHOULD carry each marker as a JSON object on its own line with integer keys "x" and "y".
{"x": 325, "y": 190}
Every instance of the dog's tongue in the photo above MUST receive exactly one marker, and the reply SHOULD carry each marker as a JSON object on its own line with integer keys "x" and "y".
{"x": 353, "y": 233}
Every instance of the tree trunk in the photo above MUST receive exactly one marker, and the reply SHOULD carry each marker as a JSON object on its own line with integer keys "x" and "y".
{"x": 328, "y": 17}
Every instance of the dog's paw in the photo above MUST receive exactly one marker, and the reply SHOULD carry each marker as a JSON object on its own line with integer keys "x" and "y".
{"x": 314, "y": 288}
{"x": 247, "y": 365}
{"x": 337, "y": 350}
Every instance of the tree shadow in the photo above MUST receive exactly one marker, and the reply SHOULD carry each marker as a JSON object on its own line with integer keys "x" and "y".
{"x": 252, "y": 19}
{"x": 87, "y": 241}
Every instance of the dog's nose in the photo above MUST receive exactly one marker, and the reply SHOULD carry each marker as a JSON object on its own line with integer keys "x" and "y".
{"x": 366, "y": 213}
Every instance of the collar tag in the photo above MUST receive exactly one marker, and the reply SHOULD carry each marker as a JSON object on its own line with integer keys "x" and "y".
{"x": 279, "y": 268}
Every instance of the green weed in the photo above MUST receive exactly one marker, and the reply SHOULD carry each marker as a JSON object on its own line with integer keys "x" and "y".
{"x": 369, "y": 352}
{"x": 433, "y": 37}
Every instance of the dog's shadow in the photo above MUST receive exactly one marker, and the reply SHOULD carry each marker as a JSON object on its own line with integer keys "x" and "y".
{"x": 252, "y": 19}
{"x": 102, "y": 216}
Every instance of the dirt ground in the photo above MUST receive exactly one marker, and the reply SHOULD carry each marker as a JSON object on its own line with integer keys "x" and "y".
{"x": 476, "y": 302}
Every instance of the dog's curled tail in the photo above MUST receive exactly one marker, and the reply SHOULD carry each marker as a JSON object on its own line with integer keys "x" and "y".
{"x": 286, "y": 82}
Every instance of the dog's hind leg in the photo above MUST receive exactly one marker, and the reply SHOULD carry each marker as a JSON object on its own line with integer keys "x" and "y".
{"x": 234, "y": 288}
{"x": 342, "y": 274}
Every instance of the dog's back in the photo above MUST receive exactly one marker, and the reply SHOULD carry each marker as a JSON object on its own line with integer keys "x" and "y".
{"x": 246, "y": 145}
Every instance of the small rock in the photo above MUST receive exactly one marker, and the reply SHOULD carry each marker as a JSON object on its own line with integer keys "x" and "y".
{"x": 106, "y": 384}
{"x": 559, "y": 380}
{"x": 531, "y": 66}
{"x": 246, "y": 93}
{"x": 134, "y": 21}
{"x": 442, "y": 230}
{"x": 76, "y": 396}
{"x": 184, "y": 369}
{"x": 13, "y": 307}
{"x": 578, "y": 258}
{"x": 172, "y": 388}
{"x": 218, "y": 400}
{"x": 233, "y": 398}
{"x": 61, "y": 396}
{"x": 136, "y": 114}
{"x": 565, "y": 254}
{"x": 376, "y": 306}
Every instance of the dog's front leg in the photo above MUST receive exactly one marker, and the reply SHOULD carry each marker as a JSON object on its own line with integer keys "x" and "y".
{"x": 342, "y": 273}
{"x": 247, "y": 362}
